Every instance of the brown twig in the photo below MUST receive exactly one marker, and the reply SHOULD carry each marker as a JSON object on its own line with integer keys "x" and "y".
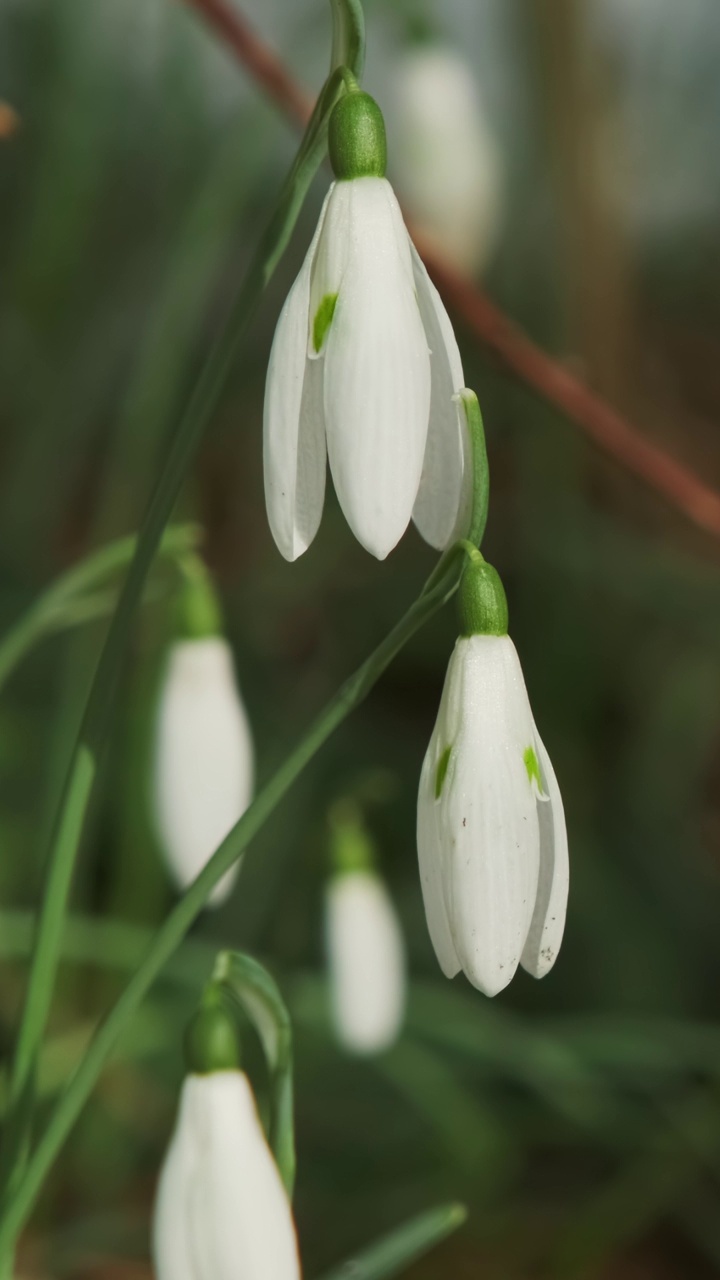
{"x": 554, "y": 383}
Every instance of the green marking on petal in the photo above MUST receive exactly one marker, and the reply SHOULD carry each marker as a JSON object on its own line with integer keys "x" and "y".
{"x": 441, "y": 771}
{"x": 323, "y": 319}
{"x": 532, "y": 765}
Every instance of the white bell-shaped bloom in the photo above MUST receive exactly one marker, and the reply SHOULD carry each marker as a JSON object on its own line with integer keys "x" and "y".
{"x": 203, "y": 758}
{"x": 221, "y": 1211}
{"x": 446, "y": 160}
{"x": 366, "y": 956}
{"x": 363, "y": 368}
{"x": 491, "y": 831}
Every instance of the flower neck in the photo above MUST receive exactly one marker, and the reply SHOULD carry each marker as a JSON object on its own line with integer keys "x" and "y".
{"x": 356, "y": 141}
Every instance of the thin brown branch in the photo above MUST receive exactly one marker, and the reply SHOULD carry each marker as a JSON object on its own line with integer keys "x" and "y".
{"x": 577, "y": 402}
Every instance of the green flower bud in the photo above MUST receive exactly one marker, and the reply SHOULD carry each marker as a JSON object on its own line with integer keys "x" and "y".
{"x": 482, "y": 605}
{"x": 198, "y": 610}
{"x": 211, "y": 1040}
{"x": 357, "y": 144}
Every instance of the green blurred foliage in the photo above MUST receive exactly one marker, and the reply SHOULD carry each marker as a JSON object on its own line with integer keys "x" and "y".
{"x": 578, "y": 1118}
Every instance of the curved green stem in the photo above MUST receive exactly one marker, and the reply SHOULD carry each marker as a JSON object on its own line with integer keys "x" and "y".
{"x": 348, "y": 46}
{"x": 78, "y": 788}
{"x": 259, "y": 996}
{"x": 480, "y": 466}
{"x": 176, "y": 925}
{"x": 68, "y": 602}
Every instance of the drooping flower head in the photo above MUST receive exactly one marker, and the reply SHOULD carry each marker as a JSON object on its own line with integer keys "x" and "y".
{"x": 492, "y": 842}
{"x": 365, "y": 948}
{"x": 363, "y": 368}
{"x": 221, "y": 1209}
{"x": 204, "y": 759}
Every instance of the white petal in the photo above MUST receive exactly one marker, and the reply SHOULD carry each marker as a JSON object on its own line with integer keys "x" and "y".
{"x": 293, "y": 430}
{"x": 220, "y": 1192}
{"x": 377, "y": 374}
{"x": 431, "y": 860}
{"x": 548, "y": 922}
{"x": 171, "y": 1244}
{"x": 442, "y": 509}
{"x": 487, "y": 814}
{"x": 203, "y": 758}
{"x": 367, "y": 962}
{"x": 331, "y": 258}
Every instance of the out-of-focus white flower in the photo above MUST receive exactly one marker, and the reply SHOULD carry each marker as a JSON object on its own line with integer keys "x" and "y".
{"x": 491, "y": 831}
{"x": 203, "y": 757}
{"x": 445, "y": 157}
{"x": 221, "y": 1211}
{"x": 366, "y": 957}
{"x": 363, "y": 368}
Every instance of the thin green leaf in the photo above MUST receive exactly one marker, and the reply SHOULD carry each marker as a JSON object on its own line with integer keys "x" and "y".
{"x": 394, "y": 1252}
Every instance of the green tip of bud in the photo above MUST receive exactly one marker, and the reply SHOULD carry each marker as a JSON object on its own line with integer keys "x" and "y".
{"x": 198, "y": 612}
{"x": 357, "y": 143}
{"x": 211, "y": 1040}
{"x": 351, "y": 848}
{"x": 482, "y": 605}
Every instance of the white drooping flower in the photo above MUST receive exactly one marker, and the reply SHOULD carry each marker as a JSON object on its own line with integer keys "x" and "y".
{"x": 203, "y": 757}
{"x": 221, "y": 1211}
{"x": 446, "y": 159}
{"x": 363, "y": 369}
{"x": 492, "y": 842}
{"x": 366, "y": 956}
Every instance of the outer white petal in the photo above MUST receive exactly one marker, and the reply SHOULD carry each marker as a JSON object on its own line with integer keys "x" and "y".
{"x": 229, "y": 1207}
{"x": 488, "y": 814}
{"x": 293, "y": 429}
{"x": 367, "y": 962}
{"x": 442, "y": 508}
{"x": 203, "y": 757}
{"x": 432, "y": 855}
{"x": 377, "y": 373}
{"x": 171, "y": 1243}
{"x": 548, "y": 922}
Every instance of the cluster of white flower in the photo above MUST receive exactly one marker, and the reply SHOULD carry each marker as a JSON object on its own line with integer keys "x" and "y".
{"x": 364, "y": 372}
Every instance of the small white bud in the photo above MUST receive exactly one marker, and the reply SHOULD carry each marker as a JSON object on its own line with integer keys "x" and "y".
{"x": 366, "y": 958}
{"x": 445, "y": 157}
{"x": 221, "y": 1210}
{"x": 203, "y": 758}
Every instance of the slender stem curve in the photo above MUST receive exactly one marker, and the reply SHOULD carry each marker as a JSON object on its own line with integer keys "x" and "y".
{"x": 176, "y": 925}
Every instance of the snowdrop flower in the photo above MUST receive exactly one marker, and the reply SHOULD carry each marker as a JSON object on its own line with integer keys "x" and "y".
{"x": 367, "y": 961}
{"x": 203, "y": 757}
{"x": 363, "y": 369}
{"x": 446, "y": 159}
{"x": 492, "y": 843}
{"x": 221, "y": 1210}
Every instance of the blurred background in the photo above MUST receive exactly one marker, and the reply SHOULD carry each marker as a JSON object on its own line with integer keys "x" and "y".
{"x": 579, "y": 1118}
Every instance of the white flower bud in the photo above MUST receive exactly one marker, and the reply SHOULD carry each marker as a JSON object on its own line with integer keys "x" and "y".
{"x": 445, "y": 157}
{"x": 491, "y": 830}
{"x": 203, "y": 758}
{"x": 221, "y": 1210}
{"x": 367, "y": 961}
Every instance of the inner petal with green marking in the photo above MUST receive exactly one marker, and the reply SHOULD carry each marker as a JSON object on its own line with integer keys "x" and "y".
{"x": 441, "y": 771}
{"x": 323, "y": 319}
{"x": 532, "y": 765}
